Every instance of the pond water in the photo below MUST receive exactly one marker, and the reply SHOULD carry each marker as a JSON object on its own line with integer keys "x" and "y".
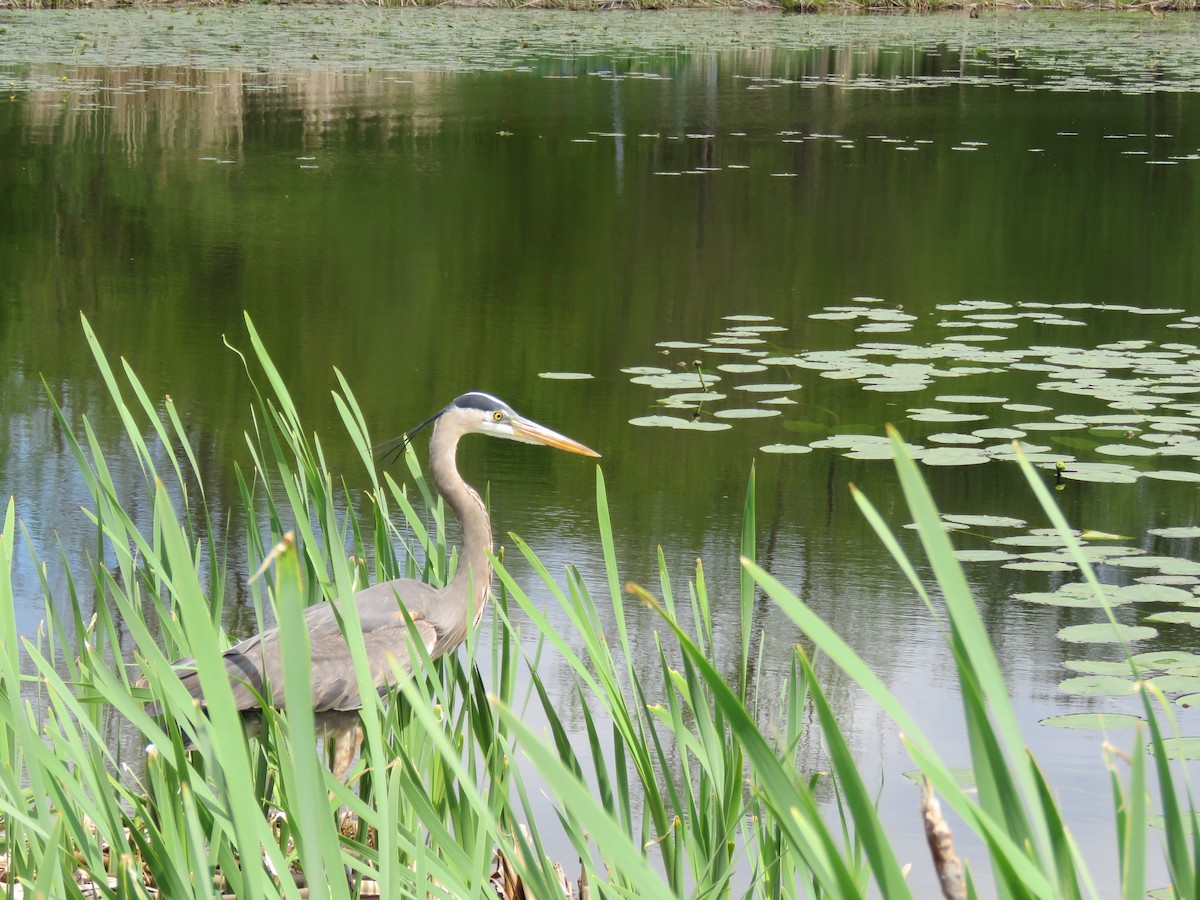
{"x": 760, "y": 237}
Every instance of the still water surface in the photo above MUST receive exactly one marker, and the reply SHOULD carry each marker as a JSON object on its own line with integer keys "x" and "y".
{"x": 436, "y": 202}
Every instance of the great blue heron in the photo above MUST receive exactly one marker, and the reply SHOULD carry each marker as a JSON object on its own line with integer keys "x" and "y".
{"x": 440, "y": 615}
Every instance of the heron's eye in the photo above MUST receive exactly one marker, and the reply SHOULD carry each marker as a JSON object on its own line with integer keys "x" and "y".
{"x": 498, "y": 416}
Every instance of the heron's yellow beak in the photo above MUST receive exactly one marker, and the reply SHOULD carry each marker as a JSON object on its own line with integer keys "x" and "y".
{"x": 533, "y": 433}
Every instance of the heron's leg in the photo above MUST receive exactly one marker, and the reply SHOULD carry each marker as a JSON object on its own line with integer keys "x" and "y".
{"x": 348, "y": 742}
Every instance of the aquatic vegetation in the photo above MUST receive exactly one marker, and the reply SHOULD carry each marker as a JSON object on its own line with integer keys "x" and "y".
{"x": 657, "y": 789}
{"x": 1142, "y": 381}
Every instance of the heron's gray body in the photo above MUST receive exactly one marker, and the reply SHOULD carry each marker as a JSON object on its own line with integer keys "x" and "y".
{"x": 440, "y": 616}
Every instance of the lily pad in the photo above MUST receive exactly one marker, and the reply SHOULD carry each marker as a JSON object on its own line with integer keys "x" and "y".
{"x": 1100, "y": 667}
{"x": 981, "y": 555}
{"x": 739, "y": 368}
{"x": 786, "y": 448}
{"x": 1031, "y": 540}
{"x": 1185, "y": 531}
{"x": 948, "y": 437}
{"x": 1098, "y": 686}
{"x": 1154, "y": 593}
{"x": 1093, "y": 721}
{"x": 1177, "y": 684}
{"x": 1161, "y": 659}
{"x": 1075, "y": 596}
{"x": 954, "y": 456}
{"x": 1167, "y": 565}
{"x": 969, "y": 398}
{"x": 566, "y": 376}
{"x": 768, "y": 388}
{"x": 1034, "y": 565}
{"x": 1126, "y": 450}
{"x": 1100, "y": 472}
{"x": 676, "y": 422}
{"x": 941, "y": 415}
{"x": 1176, "y": 617}
{"x": 986, "y": 521}
{"x": 1105, "y": 633}
{"x": 676, "y": 381}
{"x": 755, "y": 413}
{"x": 1187, "y": 748}
{"x": 1168, "y": 475}
{"x": 1001, "y": 434}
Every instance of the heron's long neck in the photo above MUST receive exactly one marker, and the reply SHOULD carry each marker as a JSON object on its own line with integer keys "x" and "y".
{"x": 474, "y": 568}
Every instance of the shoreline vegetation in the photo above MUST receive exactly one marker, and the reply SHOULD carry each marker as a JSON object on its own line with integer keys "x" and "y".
{"x": 970, "y": 8}
{"x": 680, "y": 772}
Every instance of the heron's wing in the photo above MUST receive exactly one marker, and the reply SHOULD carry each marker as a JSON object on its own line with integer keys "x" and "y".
{"x": 255, "y": 665}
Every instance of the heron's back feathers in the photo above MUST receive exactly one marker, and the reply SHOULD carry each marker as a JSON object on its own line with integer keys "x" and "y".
{"x": 255, "y": 666}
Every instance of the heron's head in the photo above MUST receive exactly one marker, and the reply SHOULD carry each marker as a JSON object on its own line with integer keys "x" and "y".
{"x": 480, "y": 413}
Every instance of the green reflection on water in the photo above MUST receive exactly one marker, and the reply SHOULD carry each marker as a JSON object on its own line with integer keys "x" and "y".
{"x": 445, "y": 221}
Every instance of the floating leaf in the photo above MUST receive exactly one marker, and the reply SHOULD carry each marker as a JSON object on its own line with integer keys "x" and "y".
{"x": 882, "y": 451}
{"x": 1089, "y": 535}
{"x": 947, "y": 437}
{"x": 1179, "y": 747}
{"x": 954, "y": 456}
{"x": 696, "y": 397}
{"x": 849, "y": 441}
{"x": 1105, "y": 633}
{"x": 1050, "y": 426}
{"x": 941, "y": 415}
{"x": 1168, "y": 579}
{"x": 1186, "y": 531}
{"x": 1174, "y": 476}
{"x": 676, "y": 422}
{"x": 738, "y": 368}
{"x": 1093, "y": 721}
{"x": 786, "y": 448}
{"x": 1031, "y": 540}
{"x": 565, "y": 376}
{"x": 676, "y": 380}
{"x": 969, "y": 398}
{"x": 1126, "y": 450}
{"x": 755, "y": 413}
{"x": 1167, "y": 565}
{"x": 1004, "y": 434}
{"x": 1078, "y": 595}
{"x": 768, "y": 388}
{"x": 1102, "y": 472}
{"x": 986, "y": 521}
{"x": 981, "y": 555}
{"x": 1099, "y": 667}
{"x": 1155, "y": 593}
{"x": 1176, "y": 617}
{"x": 1161, "y": 659}
{"x": 1177, "y": 684}
{"x": 1040, "y": 566}
{"x": 1098, "y": 686}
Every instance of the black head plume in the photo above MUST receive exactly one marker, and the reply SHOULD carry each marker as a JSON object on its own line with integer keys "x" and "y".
{"x": 389, "y": 451}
